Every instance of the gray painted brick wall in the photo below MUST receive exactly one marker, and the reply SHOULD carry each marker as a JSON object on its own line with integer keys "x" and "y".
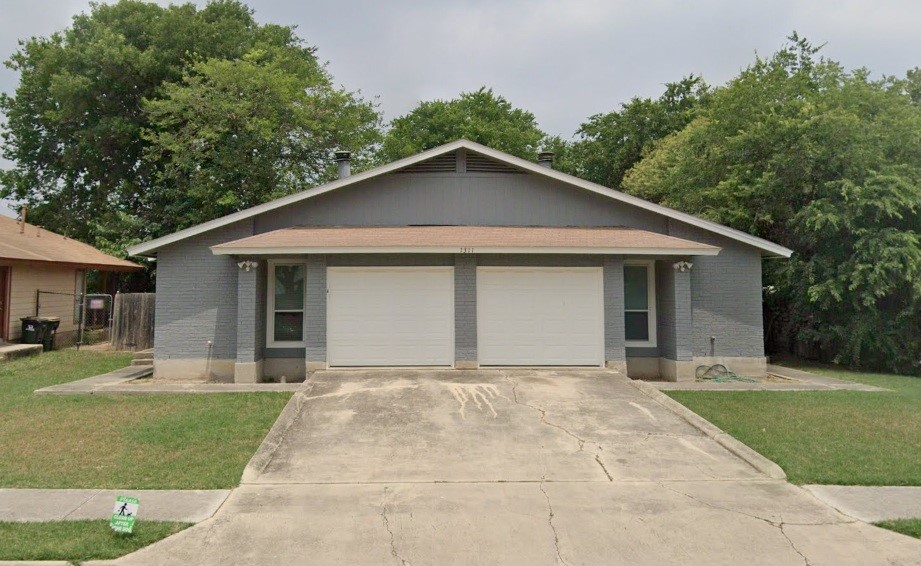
{"x": 197, "y": 297}
{"x": 684, "y": 322}
{"x": 389, "y": 260}
{"x": 261, "y": 306}
{"x": 665, "y": 310}
{"x": 614, "y": 334}
{"x": 465, "y": 323}
{"x": 725, "y": 296}
{"x": 248, "y": 300}
{"x": 643, "y": 351}
{"x": 539, "y": 260}
{"x": 673, "y": 311}
{"x": 315, "y": 308}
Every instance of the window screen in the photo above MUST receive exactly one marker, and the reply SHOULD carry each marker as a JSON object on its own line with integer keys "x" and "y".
{"x": 636, "y": 303}
{"x": 288, "y": 314}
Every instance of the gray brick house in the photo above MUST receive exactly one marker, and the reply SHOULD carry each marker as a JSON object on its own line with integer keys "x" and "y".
{"x": 460, "y": 256}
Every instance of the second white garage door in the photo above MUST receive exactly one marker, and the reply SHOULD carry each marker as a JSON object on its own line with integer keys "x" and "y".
{"x": 390, "y": 316}
{"x": 540, "y": 316}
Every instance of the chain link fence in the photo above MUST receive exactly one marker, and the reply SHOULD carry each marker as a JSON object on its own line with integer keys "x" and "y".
{"x": 85, "y": 318}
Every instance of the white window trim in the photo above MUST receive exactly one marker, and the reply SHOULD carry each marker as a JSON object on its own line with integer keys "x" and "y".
{"x": 651, "y": 287}
{"x": 270, "y": 306}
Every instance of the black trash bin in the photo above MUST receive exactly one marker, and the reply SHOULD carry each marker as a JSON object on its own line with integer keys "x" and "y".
{"x": 32, "y": 330}
{"x": 49, "y": 331}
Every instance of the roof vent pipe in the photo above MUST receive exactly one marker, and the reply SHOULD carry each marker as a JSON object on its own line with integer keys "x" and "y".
{"x": 344, "y": 162}
{"x": 545, "y": 159}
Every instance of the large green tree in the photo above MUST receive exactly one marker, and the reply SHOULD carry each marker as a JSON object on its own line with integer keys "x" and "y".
{"x": 480, "y": 116}
{"x": 100, "y": 123}
{"x": 824, "y": 161}
{"x": 610, "y": 144}
{"x": 235, "y": 133}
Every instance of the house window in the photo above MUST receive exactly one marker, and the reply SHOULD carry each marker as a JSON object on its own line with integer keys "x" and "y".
{"x": 286, "y": 304}
{"x": 640, "y": 303}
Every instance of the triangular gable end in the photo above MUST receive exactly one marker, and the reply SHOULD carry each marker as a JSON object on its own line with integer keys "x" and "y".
{"x": 487, "y": 157}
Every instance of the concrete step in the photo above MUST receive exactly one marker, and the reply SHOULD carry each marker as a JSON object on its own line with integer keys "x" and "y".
{"x": 13, "y": 351}
{"x": 144, "y": 355}
{"x": 136, "y": 362}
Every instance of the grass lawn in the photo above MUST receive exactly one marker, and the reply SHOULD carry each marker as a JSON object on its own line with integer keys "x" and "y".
{"x": 910, "y": 527}
{"x": 122, "y": 441}
{"x": 826, "y": 437}
{"x": 77, "y": 540}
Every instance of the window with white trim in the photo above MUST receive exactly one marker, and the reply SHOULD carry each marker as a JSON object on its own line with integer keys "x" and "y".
{"x": 640, "y": 303}
{"x": 286, "y": 304}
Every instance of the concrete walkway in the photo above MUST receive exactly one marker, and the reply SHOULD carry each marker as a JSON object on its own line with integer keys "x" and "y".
{"x": 97, "y": 382}
{"x": 127, "y": 381}
{"x": 187, "y": 506}
{"x": 870, "y": 503}
{"x": 13, "y": 351}
{"x": 797, "y": 380}
{"x": 139, "y": 388}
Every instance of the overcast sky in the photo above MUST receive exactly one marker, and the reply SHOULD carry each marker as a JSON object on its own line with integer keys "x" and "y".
{"x": 563, "y": 61}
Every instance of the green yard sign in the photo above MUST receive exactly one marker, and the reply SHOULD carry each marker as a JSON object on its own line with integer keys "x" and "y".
{"x": 124, "y": 514}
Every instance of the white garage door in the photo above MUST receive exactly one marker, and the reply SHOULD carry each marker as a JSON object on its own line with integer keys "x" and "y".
{"x": 390, "y": 316}
{"x": 540, "y": 316}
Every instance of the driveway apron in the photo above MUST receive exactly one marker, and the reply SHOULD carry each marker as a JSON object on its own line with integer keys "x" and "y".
{"x": 531, "y": 467}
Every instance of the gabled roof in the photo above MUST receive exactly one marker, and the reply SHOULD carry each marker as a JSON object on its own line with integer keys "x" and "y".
{"x": 769, "y": 248}
{"x": 31, "y": 243}
{"x": 472, "y": 239}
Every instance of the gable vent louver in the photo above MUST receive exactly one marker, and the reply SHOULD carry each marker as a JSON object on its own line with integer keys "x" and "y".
{"x": 446, "y": 163}
{"x": 477, "y": 163}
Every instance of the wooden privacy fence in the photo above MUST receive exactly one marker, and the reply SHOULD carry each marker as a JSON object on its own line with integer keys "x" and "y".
{"x": 133, "y": 325}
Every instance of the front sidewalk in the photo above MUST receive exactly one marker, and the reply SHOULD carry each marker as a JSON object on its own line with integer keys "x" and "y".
{"x": 186, "y": 506}
{"x": 871, "y": 504}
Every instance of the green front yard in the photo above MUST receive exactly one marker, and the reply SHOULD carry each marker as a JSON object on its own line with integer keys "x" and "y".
{"x": 77, "y": 540}
{"x": 826, "y": 437}
{"x": 122, "y": 441}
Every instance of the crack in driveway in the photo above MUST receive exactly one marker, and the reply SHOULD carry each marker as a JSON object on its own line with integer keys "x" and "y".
{"x": 556, "y": 536}
{"x": 386, "y": 521}
{"x": 793, "y": 546}
{"x": 600, "y": 463}
{"x": 779, "y": 525}
{"x": 543, "y": 413}
{"x": 543, "y": 419}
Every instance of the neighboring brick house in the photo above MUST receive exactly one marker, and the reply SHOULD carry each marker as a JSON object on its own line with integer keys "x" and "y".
{"x": 461, "y": 256}
{"x": 33, "y": 259}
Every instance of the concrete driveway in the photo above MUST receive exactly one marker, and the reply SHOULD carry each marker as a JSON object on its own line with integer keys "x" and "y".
{"x": 525, "y": 467}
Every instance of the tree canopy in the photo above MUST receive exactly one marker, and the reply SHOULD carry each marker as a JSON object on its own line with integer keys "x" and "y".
{"x": 110, "y": 113}
{"x": 610, "y": 144}
{"x": 480, "y": 116}
{"x": 235, "y": 133}
{"x": 828, "y": 163}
